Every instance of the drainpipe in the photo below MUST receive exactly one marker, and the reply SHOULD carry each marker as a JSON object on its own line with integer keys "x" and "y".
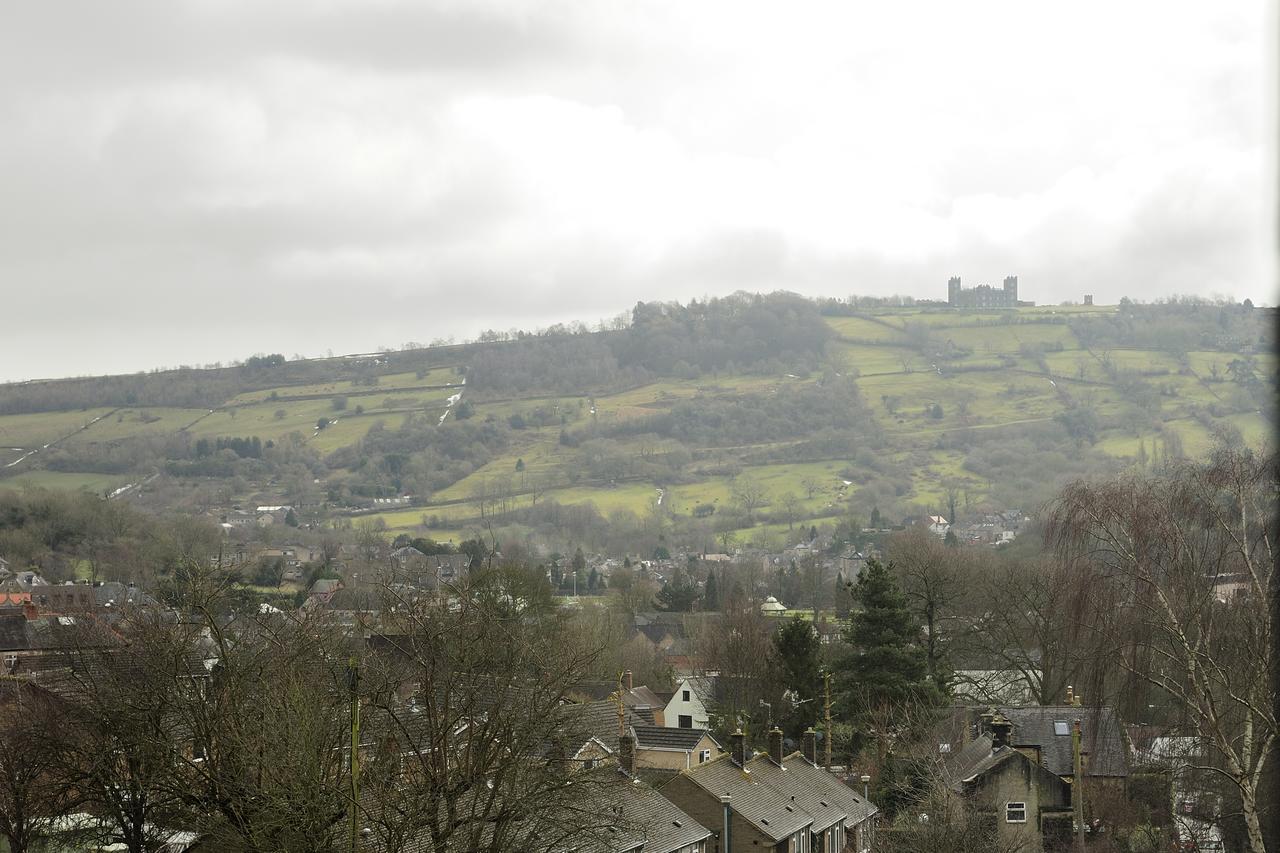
{"x": 724, "y": 801}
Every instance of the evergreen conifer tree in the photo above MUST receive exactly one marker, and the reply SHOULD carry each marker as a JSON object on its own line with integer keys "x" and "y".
{"x": 711, "y": 595}
{"x": 885, "y": 669}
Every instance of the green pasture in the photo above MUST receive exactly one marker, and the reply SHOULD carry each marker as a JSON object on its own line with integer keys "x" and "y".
{"x": 867, "y": 359}
{"x": 860, "y": 328}
{"x": 1008, "y": 338}
{"x": 341, "y": 387}
{"x": 260, "y": 420}
{"x": 129, "y": 423}
{"x": 991, "y": 398}
{"x": 301, "y": 416}
{"x": 35, "y": 430}
{"x": 64, "y": 480}
{"x": 1138, "y": 360}
{"x": 1079, "y": 365}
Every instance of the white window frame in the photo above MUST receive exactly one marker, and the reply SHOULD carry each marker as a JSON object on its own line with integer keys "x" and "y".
{"x": 1012, "y": 807}
{"x": 704, "y": 756}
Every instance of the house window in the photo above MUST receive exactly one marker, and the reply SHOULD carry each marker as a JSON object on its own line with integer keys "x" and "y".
{"x": 1015, "y": 813}
{"x": 1060, "y": 728}
{"x": 684, "y": 695}
{"x": 704, "y": 756}
{"x": 684, "y": 721}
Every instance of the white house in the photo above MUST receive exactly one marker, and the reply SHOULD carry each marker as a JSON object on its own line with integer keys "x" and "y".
{"x": 938, "y": 525}
{"x": 688, "y": 706}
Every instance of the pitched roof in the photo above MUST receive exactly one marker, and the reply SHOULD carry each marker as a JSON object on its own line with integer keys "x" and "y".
{"x": 755, "y": 801}
{"x": 840, "y": 795}
{"x": 599, "y": 719}
{"x": 1102, "y": 737}
{"x": 702, "y": 686}
{"x": 792, "y": 786}
{"x": 643, "y": 697}
{"x": 666, "y": 737}
{"x": 649, "y": 822}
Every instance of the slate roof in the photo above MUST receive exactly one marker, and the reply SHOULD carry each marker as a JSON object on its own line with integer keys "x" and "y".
{"x": 1102, "y": 737}
{"x": 117, "y": 594}
{"x": 753, "y": 799}
{"x": 649, "y": 822}
{"x": 642, "y": 697}
{"x": 599, "y": 719}
{"x": 791, "y": 785}
{"x": 666, "y": 737}
{"x": 840, "y": 795}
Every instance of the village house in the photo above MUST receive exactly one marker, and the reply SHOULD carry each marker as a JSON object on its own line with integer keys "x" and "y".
{"x": 666, "y": 748}
{"x": 1028, "y": 804}
{"x": 689, "y": 705}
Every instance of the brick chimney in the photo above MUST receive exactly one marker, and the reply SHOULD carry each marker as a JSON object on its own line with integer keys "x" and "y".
{"x": 627, "y": 752}
{"x": 29, "y": 610}
{"x": 811, "y": 745}
{"x": 1001, "y": 728}
{"x": 626, "y": 681}
{"x": 738, "y": 748}
{"x": 775, "y": 745}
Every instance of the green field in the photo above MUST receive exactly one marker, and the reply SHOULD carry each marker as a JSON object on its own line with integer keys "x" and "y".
{"x": 60, "y": 480}
{"x": 389, "y": 382}
{"x": 33, "y": 431}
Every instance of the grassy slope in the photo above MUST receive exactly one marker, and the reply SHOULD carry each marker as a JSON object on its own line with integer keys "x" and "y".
{"x": 890, "y": 375}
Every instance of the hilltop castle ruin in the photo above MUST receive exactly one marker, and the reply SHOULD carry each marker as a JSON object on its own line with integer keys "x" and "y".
{"x": 984, "y": 295}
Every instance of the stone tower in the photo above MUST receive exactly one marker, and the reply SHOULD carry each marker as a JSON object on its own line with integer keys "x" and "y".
{"x": 1011, "y": 288}
{"x": 953, "y": 290}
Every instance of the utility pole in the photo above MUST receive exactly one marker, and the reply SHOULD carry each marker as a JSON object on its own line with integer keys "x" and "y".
{"x": 826, "y": 685}
{"x": 353, "y": 685}
{"x": 1077, "y": 785}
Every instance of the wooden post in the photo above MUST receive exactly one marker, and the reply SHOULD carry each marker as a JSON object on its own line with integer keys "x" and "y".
{"x": 1077, "y": 785}
{"x": 353, "y": 684}
{"x": 622, "y": 726}
{"x": 826, "y": 681}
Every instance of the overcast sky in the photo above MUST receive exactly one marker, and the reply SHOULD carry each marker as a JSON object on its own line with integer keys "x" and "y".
{"x": 187, "y": 181}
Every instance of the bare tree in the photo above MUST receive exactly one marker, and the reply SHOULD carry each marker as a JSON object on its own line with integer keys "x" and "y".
{"x": 750, "y": 494}
{"x": 1185, "y": 563}
{"x": 810, "y": 486}
{"x": 934, "y": 579}
{"x": 1028, "y": 620}
{"x": 33, "y": 791}
{"x": 790, "y": 508}
{"x": 465, "y": 706}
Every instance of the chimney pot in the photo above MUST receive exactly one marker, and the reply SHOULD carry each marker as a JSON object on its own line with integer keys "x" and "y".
{"x": 811, "y": 745}
{"x": 775, "y": 745}
{"x": 1071, "y": 697}
{"x": 738, "y": 748}
{"x": 1001, "y": 728}
{"x": 626, "y": 680}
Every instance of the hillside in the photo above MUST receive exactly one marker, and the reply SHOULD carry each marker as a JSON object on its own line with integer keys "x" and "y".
{"x": 727, "y": 421}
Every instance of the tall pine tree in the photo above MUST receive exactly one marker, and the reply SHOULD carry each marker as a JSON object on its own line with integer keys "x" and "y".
{"x": 711, "y": 594}
{"x": 796, "y": 646}
{"x": 885, "y": 671}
